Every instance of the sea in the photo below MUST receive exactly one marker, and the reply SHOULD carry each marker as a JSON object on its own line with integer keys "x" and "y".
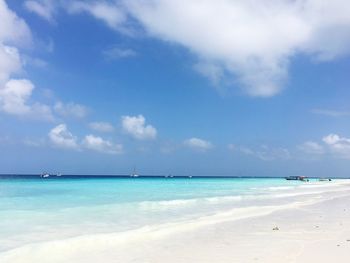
{"x": 67, "y": 211}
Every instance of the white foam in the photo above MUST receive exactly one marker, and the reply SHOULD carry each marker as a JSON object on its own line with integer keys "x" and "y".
{"x": 270, "y": 192}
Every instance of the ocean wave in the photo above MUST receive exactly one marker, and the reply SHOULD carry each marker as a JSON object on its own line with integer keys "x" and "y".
{"x": 273, "y": 192}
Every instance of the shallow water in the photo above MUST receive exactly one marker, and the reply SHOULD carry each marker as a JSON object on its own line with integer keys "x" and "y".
{"x": 39, "y": 210}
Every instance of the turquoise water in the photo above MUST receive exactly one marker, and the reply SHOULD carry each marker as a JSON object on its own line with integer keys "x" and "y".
{"x": 38, "y": 210}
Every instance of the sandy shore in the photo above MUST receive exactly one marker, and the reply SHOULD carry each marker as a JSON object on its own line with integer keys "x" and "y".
{"x": 312, "y": 228}
{"x": 313, "y": 233}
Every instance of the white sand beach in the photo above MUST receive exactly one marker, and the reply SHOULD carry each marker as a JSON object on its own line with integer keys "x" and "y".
{"x": 309, "y": 228}
{"x": 312, "y": 233}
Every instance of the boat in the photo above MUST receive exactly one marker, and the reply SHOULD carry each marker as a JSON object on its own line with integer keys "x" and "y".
{"x": 45, "y": 175}
{"x": 134, "y": 174}
{"x": 324, "y": 179}
{"x": 297, "y": 178}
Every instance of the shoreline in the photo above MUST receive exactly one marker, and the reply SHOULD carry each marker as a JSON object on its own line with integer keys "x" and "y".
{"x": 145, "y": 176}
{"x": 240, "y": 235}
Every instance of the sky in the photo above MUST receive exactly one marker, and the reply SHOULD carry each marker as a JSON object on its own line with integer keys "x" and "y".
{"x": 242, "y": 88}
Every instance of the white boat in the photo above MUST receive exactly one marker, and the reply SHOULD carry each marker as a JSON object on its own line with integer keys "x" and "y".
{"x": 134, "y": 174}
{"x": 45, "y": 175}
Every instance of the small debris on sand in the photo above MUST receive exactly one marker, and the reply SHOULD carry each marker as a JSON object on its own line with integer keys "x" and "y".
{"x": 275, "y": 228}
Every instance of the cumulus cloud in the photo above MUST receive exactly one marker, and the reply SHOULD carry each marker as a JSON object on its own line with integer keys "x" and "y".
{"x": 61, "y": 137}
{"x": 137, "y": 128}
{"x": 332, "y": 144}
{"x": 10, "y": 62}
{"x": 266, "y": 153}
{"x": 43, "y": 8}
{"x": 198, "y": 144}
{"x": 101, "y": 126}
{"x": 311, "y": 147}
{"x": 14, "y": 99}
{"x": 98, "y": 144}
{"x": 71, "y": 110}
{"x": 339, "y": 146}
{"x": 251, "y": 42}
{"x": 15, "y": 94}
{"x": 13, "y": 29}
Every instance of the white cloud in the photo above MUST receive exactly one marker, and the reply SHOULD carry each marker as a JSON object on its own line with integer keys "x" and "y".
{"x": 109, "y": 13}
{"x": 339, "y": 146}
{"x": 15, "y": 94}
{"x": 101, "y": 126}
{"x": 198, "y": 144}
{"x": 98, "y": 144}
{"x": 266, "y": 153}
{"x": 12, "y": 28}
{"x": 10, "y": 62}
{"x": 331, "y": 113}
{"x": 311, "y": 147}
{"x": 61, "y": 137}
{"x": 41, "y": 112}
{"x": 117, "y": 53}
{"x": 71, "y": 110}
{"x": 136, "y": 127}
{"x": 333, "y": 144}
{"x": 43, "y": 8}
{"x": 14, "y": 97}
{"x": 251, "y": 40}
{"x": 247, "y": 42}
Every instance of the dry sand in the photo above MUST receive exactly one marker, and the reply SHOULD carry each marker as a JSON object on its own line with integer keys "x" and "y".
{"x": 316, "y": 233}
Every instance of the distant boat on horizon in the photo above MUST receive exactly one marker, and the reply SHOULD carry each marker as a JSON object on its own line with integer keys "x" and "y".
{"x": 45, "y": 175}
{"x": 134, "y": 174}
{"x": 297, "y": 178}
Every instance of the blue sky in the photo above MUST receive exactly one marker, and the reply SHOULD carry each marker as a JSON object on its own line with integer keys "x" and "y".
{"x": 210, "y": 88}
